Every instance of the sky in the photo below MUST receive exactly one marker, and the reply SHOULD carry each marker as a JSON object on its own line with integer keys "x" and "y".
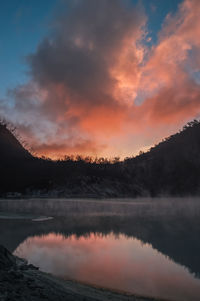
{"x": 98, "y": 77}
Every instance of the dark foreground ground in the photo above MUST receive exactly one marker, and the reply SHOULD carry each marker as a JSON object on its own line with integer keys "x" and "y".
{"x": 21, "y": 281}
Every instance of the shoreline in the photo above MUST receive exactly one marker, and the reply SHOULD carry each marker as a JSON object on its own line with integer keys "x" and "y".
{"x": 22, "y": 281}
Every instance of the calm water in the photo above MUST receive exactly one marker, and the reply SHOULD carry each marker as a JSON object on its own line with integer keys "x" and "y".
{"x": 147, "y": 247}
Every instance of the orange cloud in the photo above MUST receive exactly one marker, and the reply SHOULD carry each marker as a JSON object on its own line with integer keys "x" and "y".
{"x": 169, "y": 74}
{"x": 56, "y": 151}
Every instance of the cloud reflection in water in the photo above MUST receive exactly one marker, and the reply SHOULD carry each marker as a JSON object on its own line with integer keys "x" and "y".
{"x": 117, "y": 262}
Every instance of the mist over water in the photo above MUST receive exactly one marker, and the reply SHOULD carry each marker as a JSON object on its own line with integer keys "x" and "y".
{"x": 145, "y": 246}
{"x": 139, "y": 206}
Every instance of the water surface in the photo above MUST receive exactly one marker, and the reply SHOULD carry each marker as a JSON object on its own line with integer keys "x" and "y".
{"x": 146, "y": 247}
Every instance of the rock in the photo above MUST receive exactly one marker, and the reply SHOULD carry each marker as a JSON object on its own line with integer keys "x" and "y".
{"x": 32, "y": 267}
{"x": 7, "y": 260}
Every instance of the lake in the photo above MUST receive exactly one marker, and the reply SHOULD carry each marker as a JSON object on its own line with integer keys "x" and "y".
{"x": 149, "y": 247}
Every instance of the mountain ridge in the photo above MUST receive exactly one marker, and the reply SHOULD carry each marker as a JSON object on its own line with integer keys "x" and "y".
{"x": 172, "y": 167}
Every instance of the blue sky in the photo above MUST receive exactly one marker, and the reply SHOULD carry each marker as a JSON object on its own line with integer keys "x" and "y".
{"x": 157, "y": 11}
{"x": 23, "y": 23}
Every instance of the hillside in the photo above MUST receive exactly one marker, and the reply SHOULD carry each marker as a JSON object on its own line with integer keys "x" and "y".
{"x": 173, "y": 166}
{"x": 170, "y": 168}
{"x": 14, "y": 160}
{"x": 11, "y": 149}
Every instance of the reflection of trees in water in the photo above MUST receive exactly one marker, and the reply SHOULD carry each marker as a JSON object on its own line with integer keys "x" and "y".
{"x": 176, "y": 236}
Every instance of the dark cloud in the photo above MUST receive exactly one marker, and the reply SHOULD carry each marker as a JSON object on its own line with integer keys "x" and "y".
{"x": 84, "y": 48}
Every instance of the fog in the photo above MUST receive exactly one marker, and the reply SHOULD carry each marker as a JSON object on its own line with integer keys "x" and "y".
{"x": 138, "y": 207}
